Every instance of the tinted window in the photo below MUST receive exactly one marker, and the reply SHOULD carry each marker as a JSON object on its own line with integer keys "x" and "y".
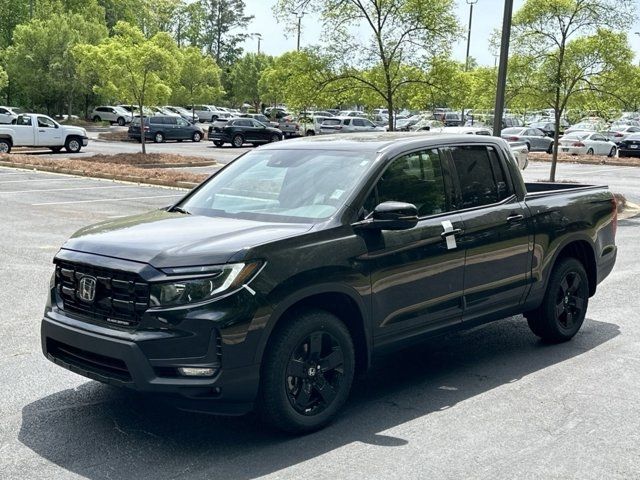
{"x": 358, "y": 123}
{"x": 480, "y": 175}
{"x": 242, "y": 123}
{"x": 346, "y": 121}
{"x": 414, "y": 178}
{"x": 3, "y": 111}
{"x": 331, "y": 122}
{"x": 157, "y": 120}
{"x": 180, "y": 121}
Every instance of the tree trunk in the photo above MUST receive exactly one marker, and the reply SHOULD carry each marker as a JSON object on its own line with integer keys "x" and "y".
{"x": 556, "y": 136}
{"x": 142, "y": 135}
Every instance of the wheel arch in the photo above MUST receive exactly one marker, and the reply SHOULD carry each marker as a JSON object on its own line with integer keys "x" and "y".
{"x": 6, "y": 136}
{"x": 338, "y": 300}
{"x": 583, "y": 251}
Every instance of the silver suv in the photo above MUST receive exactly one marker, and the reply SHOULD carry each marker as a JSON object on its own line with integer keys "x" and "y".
{"x": 209, "y": 113}
{"x": 119, "y": 115}
{"x": 348, "y": 125}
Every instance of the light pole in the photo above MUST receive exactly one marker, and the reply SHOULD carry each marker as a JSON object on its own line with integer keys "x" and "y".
{"x": 259, "y": 35}
{"x": 299, "y": 15}
{"x": 502, "y": 68}
{"x": 471, "y": 3}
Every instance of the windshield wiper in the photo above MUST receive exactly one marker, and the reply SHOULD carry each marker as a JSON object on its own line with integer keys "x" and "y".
{"x": 180, "y": 210}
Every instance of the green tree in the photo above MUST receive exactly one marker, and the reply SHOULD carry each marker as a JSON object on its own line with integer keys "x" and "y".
{"x": 245, "y": 75}
{"x": 131, "y": 67}
{"x": 572, "y": 47}
{"x": 199, "y": 79}
{"x": 4, "y": 79}
{"x": 12, "y": 14}
{"x": 40, "y": 62}
{"x": 404, "y": 36}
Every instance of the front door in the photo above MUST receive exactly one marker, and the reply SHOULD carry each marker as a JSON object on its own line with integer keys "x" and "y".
{"x": 497, "y": 232}
{"x": 48, "y": 133}
{"x": 416, "y": 274}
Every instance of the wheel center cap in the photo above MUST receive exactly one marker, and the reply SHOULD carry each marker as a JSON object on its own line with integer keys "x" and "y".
{"x": 312, "y": 371}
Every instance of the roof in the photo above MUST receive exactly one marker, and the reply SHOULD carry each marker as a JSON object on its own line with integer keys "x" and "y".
{"x": 378, "y": 141}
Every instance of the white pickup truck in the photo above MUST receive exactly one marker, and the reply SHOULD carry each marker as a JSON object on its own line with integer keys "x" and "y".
{"x": 35, "y": 130}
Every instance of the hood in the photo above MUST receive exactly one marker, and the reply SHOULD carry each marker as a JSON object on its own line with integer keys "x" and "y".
{"x": 75, "y": 130}
{"x": 165, "y": 239}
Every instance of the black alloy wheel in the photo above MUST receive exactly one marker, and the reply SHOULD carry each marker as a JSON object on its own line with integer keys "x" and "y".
{"x": 275, "y": 138}
{"x": 158, "y": 137}
{"x": 307, "y": 371}
{"x": 564, "y": 306}
{"x": 121, "y": 121}
{"x": 314, "y": 373}
{"x": 197, "y": 136}
{"x": 218, "y": 143}
{"x": 612, "y": 153}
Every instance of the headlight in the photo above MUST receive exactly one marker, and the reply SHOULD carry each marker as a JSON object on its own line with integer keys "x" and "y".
{"x": 201, "y": 283}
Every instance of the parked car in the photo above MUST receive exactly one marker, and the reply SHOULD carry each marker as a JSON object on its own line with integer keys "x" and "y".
{"x": 617, "y": 134}
{"x": 405, "y": 124}
{"x": 630, "y": 146}
{"x": 451, "y": 119}
{"x": 426, "y": 125}
{"x": 35, "y": 130}
{"x": 188, "y": 115}
{"x": 289, "y": 126}
{"x": 549, "y": 127}
{"x": 586, "y": 143}
{"x": 161, "y": 111}
{"x": 348, "y": 125}
{"x": 209, "y": 113}
{"x": 238, "y": 131}
{"x": 534, "y": 139}
{"x": 351, "y": 113}
{"x": 310, "y": 125}
{"x": 160, "y": 128}
{"x": 261, "y": 118}
{"x": 118, "y": 115}
{"x": 277, "y": 280}
{"x": 587, "y": 126}
{"x": 9, "y": 114}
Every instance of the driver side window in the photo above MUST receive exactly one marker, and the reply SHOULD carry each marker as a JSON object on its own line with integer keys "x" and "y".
{"x": 414, "y": 178}
{"x": 44, "y": 122}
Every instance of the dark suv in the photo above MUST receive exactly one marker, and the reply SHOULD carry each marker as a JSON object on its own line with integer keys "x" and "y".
{"x": 160, "y": 128}
{"x": 238, "y": 131}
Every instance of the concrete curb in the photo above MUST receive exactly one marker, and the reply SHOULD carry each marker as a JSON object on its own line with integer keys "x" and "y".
{"x": 121, "y": 178}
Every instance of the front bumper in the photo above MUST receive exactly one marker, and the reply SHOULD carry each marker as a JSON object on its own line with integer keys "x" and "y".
{"x": 85, "y": 141}
{"x": 116, "y": 357}
{"x": 629, "y": 152}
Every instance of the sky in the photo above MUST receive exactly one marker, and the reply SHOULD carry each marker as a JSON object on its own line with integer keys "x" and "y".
{"x": 487, "y": 16}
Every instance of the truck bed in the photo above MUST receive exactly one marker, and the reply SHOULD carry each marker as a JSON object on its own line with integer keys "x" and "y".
{"x": 547, "y": 189}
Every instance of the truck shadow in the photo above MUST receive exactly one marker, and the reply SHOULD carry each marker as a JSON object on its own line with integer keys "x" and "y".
{"x": 99, "y": 432}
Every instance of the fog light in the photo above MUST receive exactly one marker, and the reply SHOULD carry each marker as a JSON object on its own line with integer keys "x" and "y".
{"x": 196, "y": 372}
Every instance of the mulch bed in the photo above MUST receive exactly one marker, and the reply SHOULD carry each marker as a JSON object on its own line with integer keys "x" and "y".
{"x": 115, "y": 167}
{"x": 588, "y": 159}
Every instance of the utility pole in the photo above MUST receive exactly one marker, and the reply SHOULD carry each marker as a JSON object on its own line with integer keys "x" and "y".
{"x": 259, "y": 40}
{"x": 502, "y": 68}
{"x": 471, "y": 3}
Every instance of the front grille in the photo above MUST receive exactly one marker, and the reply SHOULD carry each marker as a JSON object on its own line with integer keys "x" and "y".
{"x": 120, "y": 298}
{"x": 92, "y": 362}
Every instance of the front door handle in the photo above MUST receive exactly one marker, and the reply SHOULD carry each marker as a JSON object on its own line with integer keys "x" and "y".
{"x": 455, "y": 231}
{"x": 515, "y": 218}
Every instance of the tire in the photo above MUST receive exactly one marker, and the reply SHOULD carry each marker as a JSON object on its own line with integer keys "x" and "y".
{"x": 275, "y": 138}
{"x": 612, "y": 153}
{"x": 197, "y": 136}
{"x": 96, "y": 119}
{"x": 5, "y": 146}
{"x": 292, "y": 385}
{"x": 564, "y": 305}
{"x": 56, "y": 149}
{"x": 73, "y": 145}
{"x": 218, "y": 143}
{"x": 121, "y": 121}
{"x": 590, "y": 151}
{"x": 158, "y": 137}
{"x": 310, "y": 133}
{"x": 528, "y": 146}
{"x": 237, "y": 141}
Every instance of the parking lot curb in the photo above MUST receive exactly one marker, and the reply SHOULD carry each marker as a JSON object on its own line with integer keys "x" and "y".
{"x": 121, "y": 178}
{"x": 589, "y": 160}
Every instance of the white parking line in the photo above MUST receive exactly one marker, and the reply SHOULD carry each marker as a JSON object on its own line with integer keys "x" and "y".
{"x": 68, "y": 189}
{"x": 105, "y": 200}
{"x": 50, "y": 179}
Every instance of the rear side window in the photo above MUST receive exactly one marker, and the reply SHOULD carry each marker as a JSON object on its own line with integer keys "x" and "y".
{"x": 414, "y": 178}
{"x": 157, "y": 120}
{"x": 331, "y": 122}
{"x": 480, "y": 175}
{"x": 346, "y": 121}
{"x": 358, "y": 123}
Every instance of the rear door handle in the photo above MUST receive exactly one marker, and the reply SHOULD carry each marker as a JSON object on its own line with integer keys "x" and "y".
{"x": 515, "y": 218}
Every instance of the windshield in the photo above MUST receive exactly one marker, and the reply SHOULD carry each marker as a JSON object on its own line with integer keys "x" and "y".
{"x": 282, "y": 185}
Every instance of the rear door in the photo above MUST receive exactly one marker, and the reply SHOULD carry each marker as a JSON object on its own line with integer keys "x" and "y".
{"x": 24, "y": 132}
{"x": 416, "y": 274}
{"x": 497, "y": 231}
{"x": 182, "y": 128}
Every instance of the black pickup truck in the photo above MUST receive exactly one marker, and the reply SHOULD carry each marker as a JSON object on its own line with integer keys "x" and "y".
{"x": 274, "y": 282}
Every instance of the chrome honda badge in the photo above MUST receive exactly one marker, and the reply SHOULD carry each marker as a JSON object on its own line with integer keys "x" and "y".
{"x": 87, "y": 289}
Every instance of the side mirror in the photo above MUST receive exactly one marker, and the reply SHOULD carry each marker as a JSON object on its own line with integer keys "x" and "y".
{"x": 391, "y": 216}
{"x": 56, "y": 125}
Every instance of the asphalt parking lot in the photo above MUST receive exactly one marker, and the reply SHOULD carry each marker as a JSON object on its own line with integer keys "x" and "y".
{"x": 489, "y": 403}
